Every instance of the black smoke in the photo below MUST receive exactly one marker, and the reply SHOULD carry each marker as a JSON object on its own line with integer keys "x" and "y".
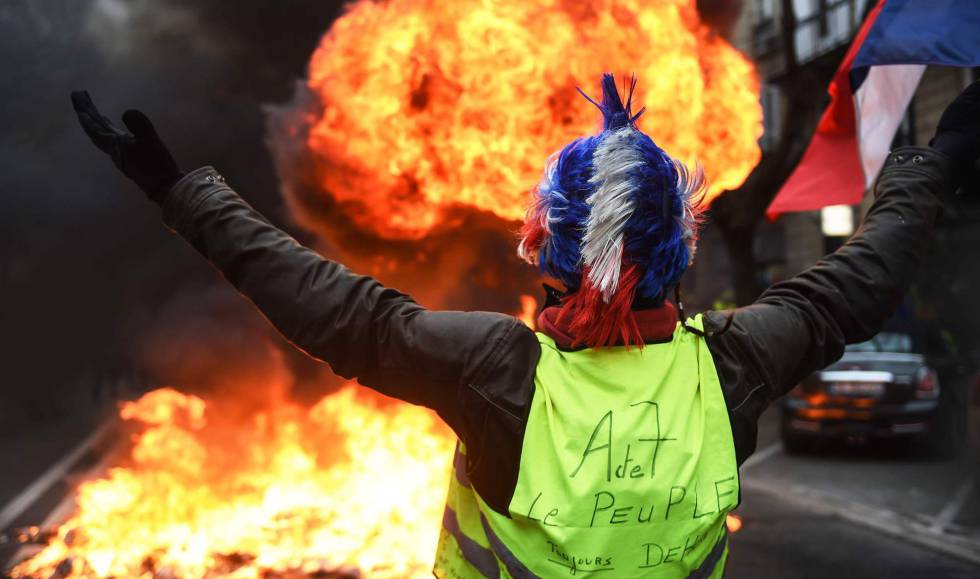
{"x": 85, "y": 264}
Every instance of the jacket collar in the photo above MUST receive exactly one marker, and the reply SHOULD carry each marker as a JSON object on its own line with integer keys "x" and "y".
{"x": 656, "y": 325}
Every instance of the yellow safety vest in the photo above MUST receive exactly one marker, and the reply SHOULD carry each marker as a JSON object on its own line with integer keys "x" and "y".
{"x": 627, "y": 470}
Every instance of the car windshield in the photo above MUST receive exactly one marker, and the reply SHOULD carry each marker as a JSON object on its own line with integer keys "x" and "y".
{"x": 884, "y": 342}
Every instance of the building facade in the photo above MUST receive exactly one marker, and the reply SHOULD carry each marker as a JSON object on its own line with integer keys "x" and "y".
{"x": 821, "y": 32}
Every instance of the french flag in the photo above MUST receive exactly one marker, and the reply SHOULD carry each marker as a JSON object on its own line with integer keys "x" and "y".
{"x": 870, "y": 92}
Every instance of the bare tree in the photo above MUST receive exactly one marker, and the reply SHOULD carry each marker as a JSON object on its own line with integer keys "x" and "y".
{"x": 737, "y": 213}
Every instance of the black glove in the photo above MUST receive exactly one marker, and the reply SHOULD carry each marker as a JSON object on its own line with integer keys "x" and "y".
{"x": 958, "y": 133}
{"x": 139, "y": 153}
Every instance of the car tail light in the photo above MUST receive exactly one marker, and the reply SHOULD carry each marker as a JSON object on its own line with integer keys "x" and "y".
{"x": 926, "y": 383}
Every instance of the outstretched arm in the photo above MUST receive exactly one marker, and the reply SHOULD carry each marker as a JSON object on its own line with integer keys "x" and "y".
{"x": 361, "y": 328}
{"x": 802, "y": 325}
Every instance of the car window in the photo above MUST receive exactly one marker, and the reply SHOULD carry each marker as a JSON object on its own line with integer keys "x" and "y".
{"x": 884, "y": 342}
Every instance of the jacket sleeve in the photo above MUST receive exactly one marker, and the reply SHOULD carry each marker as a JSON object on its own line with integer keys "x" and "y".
{"x": 801, "y": 325}
{"x": 362, "y": 329}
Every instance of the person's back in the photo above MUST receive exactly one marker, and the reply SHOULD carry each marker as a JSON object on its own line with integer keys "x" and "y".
{"x": 609, "y": 441}
{"x": 628, "y": 465}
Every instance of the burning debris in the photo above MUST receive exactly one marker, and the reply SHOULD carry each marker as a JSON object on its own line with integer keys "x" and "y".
{"x": 32, "y": 535}
{"x": 290, "y": 493}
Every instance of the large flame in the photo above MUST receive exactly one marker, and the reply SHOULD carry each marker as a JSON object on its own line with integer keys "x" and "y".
{"x": 353, "y": 484}
{"x": 430, "y": 105}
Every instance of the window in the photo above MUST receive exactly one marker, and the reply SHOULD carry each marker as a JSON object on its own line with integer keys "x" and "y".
{"x": 771, "y": 116}
{"x": 765, "y": 10}
{"x": 822, "y": 25}
{"x": 823, "y": 19}
{"x": 884, "y": 342}
{"x": 764, "y": 31}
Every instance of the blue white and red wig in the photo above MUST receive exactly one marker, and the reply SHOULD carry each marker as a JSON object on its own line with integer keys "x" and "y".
{"x": 615, "y": 219}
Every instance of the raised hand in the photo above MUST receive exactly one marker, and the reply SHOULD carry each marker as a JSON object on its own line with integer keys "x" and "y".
{"x": 958, "y": 135}
{"x": 138, "y": 153}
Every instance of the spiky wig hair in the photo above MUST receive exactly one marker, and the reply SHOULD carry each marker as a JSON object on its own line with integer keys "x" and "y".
{"x": 615, "y": 219}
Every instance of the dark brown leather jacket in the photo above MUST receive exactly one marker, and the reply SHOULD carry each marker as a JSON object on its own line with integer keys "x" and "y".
{"x": 476, "y": 369}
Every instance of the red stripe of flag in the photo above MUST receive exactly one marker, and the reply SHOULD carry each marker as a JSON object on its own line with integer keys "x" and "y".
{"x": 830, "y": 171}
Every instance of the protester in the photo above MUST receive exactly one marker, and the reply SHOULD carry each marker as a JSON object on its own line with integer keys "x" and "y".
{"x": 610, "y": 440}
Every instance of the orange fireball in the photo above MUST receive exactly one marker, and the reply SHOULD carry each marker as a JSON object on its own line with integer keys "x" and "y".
{"x": 429, "y": 105}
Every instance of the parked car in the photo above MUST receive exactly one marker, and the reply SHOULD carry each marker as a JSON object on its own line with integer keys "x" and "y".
{"x": 881, "y": 388}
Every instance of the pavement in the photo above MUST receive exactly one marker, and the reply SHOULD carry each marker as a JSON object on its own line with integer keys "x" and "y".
{"x": 855, "y": 510}
{"x": 783, "y": 540}
{"x": 28, "y": 453}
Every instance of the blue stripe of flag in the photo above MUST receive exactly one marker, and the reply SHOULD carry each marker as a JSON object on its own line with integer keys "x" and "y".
{"x": 941, "y": 32}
